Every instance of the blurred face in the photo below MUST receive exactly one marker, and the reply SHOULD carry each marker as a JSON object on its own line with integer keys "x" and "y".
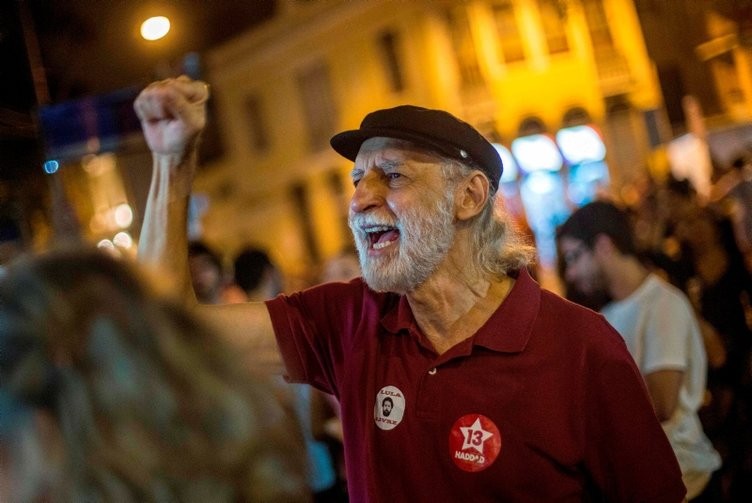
{"x": 205, "y": 276}
{"x": 400, "y": 214}
{"x": 581, "y": 269}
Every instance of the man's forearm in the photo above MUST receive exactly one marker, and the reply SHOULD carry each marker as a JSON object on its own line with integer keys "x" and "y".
{"x": 163, "y": 243}
{"x": 173, "y": 114}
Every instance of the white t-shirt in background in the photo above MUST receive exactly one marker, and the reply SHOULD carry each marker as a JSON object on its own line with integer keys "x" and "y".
{"x": 661, "y": 331}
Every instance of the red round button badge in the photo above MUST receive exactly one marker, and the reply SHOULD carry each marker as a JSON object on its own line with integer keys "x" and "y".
{"x": 474, "y": 442}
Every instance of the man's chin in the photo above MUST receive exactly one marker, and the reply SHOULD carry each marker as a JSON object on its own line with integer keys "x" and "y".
{"x": 379, "y": 283}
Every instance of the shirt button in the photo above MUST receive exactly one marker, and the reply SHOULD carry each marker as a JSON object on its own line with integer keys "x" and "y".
{"x": 432, "y": 371}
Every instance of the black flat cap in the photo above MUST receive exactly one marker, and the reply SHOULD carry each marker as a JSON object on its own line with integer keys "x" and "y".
{"x": 434, "y": 129}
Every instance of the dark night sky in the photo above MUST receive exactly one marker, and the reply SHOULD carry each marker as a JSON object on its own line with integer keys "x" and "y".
{"x": 93, "y": 47}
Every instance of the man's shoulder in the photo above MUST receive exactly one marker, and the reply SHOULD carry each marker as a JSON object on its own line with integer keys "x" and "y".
{"x": 660, "y": 292}
{"x": 551, "y": 301}
{"x": 568, "y": 316}
{"x": 341, "y": 294}
{"x": 579, "y": 331}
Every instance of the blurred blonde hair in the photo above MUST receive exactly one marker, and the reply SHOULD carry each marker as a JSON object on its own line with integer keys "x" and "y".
{"x": 146, "y": 402}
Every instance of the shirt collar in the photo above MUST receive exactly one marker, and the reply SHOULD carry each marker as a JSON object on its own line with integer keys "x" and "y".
{"x": 508, "y": 330}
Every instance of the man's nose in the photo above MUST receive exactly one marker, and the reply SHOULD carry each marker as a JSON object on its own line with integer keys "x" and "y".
{"x": 369, "y": 193}
{"x": 569, "y": 273}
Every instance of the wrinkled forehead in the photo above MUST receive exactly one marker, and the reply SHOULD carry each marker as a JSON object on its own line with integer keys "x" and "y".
{"x": 397, "y": 149}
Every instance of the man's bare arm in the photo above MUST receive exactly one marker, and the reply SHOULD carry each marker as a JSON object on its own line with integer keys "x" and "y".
{"x": 173, "y": 114}
{"x": 248, "y": 327}
{"x": 663, "y": 387}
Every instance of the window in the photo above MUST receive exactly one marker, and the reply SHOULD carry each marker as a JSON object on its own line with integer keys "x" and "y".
{"x": 336, "y": 183}
{"x": 512, "y": 48}
{"x": 318, "y": 104}
{"x": 554, "y": 18}
{"x": 575, "y": 116}
{"x": 301, "y": 201}
{"x": 255, "y": 119}
{"x": 530, "y": 126}
{"x": 388, "y": 46}
{"x": 600, "y": 33}
{"x": 464, "y": 47}
{"x": 211, "y": 147}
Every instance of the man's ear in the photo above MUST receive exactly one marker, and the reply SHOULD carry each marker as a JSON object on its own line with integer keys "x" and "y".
{"x": 472, "y": 196}
{"x": 603, "y": 245}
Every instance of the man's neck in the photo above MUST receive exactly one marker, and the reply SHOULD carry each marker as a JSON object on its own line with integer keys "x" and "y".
{"x": 450, "y": 308}
{"x": 626, "y": 277}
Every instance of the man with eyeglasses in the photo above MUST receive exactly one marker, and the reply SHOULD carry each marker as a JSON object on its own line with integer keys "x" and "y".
{"x": 658, "y": 324}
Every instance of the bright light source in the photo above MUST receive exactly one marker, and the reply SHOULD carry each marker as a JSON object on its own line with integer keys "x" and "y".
{"x": 51, "y": 167}
{"x": 509, "y": 174}
{"x": 537, "y": 152}
{"x": 543, "y": 183}
{"x": 580, "y": 144}
{"x": 155, "y": 28}
{"x": 123, "y": 215}
{"x": 123, "y": 240}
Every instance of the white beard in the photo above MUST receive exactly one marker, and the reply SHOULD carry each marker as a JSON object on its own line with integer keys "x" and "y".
{"x": 425, "y": 237}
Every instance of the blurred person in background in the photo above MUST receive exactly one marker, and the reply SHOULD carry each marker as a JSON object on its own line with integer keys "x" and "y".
{"x": 733, "y": 193}
{"x": 343, "y": 266}
{"x": 255, "y": 273}
{"x": 261, "y": 280}
{"x": 675, "y": 201}
{"x": 697, "y": 248}
{"x": 721, "y": 289}
{"x": 502, "y": 391}
{"x": 109, "y": 392}
{"x": 658, "y": 325}
{"x": 661, "y": 250}
{"x": 208, "y": 277}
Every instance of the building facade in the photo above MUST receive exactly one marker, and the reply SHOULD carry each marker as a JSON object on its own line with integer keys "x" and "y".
{"x": 512, "y": 68}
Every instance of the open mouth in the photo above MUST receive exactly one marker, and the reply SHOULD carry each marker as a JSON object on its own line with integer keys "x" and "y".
{"x": 381, "y": 236}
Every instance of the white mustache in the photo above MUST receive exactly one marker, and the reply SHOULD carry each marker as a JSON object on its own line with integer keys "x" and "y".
{"x": 361, "y": 222}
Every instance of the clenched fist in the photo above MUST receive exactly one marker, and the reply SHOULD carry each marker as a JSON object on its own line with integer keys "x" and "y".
{"x": 172, "y": 114}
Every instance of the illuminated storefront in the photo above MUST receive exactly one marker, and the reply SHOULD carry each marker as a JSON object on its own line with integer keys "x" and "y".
{"x": 545, "y": 177}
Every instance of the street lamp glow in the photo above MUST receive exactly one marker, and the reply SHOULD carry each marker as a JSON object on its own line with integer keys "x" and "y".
{"x": 155, "y": 28}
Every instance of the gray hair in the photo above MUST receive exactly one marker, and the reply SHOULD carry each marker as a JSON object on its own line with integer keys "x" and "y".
{"x": 500, "y": 247}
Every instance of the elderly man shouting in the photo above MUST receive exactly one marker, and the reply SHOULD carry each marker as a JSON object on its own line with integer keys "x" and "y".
{"x": 500, "y": 391}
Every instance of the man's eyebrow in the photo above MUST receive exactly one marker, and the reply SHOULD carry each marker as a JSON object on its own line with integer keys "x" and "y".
{"x": 384, "y": 165}
{"x": 388, "y": 164}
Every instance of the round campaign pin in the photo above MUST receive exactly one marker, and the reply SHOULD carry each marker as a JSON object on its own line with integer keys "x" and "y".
{"x": 474, "y": 442}
{"x": 389, "y": 407}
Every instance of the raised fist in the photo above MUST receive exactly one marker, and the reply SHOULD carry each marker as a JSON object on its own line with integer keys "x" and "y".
{"x": 172, "y": 114}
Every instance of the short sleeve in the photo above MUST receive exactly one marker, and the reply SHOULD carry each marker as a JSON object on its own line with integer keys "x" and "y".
{"x": 312, "y": 328}
{"x": 671, "y": 325}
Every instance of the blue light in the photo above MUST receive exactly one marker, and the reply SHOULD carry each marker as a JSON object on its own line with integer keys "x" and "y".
{"x": 537, "y": 152}
{"x": 51, "y": 167}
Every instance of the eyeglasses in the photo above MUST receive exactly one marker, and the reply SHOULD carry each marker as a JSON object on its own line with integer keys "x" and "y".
{"x": 571, "y": 257}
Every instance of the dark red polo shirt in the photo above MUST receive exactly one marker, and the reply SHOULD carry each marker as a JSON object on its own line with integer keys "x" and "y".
{"x": 542, "y": 404}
